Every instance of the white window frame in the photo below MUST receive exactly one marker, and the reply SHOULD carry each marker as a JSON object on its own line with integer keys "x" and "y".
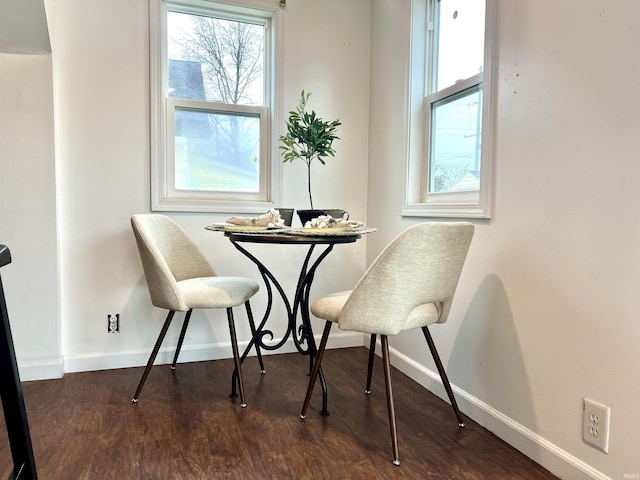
{"x": 164, "y": 196}
{"x": 418, "y": 201}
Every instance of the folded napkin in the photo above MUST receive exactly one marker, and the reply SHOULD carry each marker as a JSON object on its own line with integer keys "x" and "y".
{"x": 271, "y": 219}
{"x": 327, "y": 221}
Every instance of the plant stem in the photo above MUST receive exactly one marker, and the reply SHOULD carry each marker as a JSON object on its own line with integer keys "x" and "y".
{"x": 309, "y": 182}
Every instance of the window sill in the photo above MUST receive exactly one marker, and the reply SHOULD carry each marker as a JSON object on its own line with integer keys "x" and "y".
{"x": 444, "y": 211}
{"x": 208, "y": 206}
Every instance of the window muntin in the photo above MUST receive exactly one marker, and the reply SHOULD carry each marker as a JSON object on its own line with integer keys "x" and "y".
{"x": 215, "y": 91}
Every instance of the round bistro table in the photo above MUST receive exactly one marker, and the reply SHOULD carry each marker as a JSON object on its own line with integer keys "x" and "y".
{"x": 298, "y": 317}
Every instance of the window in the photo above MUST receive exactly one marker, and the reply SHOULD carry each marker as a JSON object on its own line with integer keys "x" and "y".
{"x": 213, "y": 84}
{"x": 450, "y": 108}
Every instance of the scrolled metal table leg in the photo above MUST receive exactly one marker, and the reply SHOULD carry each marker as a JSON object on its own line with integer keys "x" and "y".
{"x": 301, "y": 335}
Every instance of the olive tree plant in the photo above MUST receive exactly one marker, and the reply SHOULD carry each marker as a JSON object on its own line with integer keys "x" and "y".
{"x": 308, "y": 137}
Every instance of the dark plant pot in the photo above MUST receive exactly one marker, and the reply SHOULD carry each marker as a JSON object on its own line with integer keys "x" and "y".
{"x": 307, "y": 215}
{"x": 287, "y": 215}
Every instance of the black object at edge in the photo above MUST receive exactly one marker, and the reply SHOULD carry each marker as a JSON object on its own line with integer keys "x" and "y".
{"x": 24, "y": 467}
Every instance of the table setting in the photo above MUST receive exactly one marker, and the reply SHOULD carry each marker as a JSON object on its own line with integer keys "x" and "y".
{"x": 271, "y": 223}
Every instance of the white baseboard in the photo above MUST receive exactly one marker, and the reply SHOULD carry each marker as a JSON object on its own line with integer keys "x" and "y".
{"x": 190, "y": 353}
{"x": 543, "y": 452}
{"x": 41, "y": 370}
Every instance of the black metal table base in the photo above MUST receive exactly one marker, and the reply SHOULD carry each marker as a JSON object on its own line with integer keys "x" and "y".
{"x": 301, "y": 332}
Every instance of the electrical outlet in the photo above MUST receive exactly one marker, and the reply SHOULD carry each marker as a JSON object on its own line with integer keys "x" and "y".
{"x": 113, "y": 323}
{"x": 595, "y": 424}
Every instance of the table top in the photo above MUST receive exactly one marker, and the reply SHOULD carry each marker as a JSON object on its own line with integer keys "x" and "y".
{"x": 305, "y": 236}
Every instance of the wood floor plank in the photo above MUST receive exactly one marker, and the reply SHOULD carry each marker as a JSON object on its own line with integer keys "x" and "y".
{"x": 186, "y": 427}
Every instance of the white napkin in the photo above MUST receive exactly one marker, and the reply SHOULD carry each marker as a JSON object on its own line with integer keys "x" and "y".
{"x": 327, "y": 221}
{"x": 271, "y": 219}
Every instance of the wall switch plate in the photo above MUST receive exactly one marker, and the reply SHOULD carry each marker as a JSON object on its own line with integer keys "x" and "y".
{"x": 595, "y": 424}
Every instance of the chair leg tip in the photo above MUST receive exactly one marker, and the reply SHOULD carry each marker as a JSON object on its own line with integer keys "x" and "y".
{"x": 263, "y": 372}
{"x": 302, "y": 417}
{"x": 243, "y": 405}
{"x": 173, "y": 367}
{"x": 396, "y": 462}
{"x": 461, "y": 424}
{"x": 134, "y": 400}
{"x": 367, "y": 392}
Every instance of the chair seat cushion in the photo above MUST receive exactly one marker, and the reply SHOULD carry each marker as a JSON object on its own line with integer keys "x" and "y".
{"x": 217, "y": 292}
{"x": 330, "y": 307}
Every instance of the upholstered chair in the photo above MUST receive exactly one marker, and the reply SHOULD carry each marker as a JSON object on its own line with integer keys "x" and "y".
{"x": 180, "y": 279}
{"x": 410, "y": 285}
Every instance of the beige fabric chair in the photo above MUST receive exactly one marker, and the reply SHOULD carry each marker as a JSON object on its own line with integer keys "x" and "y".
{"x": 410, "y": 285}
{"x": 180, "y": 279}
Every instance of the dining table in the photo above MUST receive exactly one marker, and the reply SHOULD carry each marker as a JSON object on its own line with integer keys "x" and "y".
{"x": 319, "y": 242}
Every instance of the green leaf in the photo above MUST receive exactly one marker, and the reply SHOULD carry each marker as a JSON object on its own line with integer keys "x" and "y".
{"x": 308, "y": 136}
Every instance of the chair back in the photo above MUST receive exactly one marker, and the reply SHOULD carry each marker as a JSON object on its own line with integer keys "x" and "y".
{"x": 168, "y": 256}
{"x": 420, "y": 268}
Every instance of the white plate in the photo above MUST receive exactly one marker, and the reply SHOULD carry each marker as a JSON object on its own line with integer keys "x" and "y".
{"x": 227, "y": 227}
{"x": 330, "y": 232}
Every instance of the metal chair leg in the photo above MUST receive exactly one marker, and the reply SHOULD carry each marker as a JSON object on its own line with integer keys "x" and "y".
{"x": 316, "y": 368}
{"x": 153, "y": 355}
{"x": 372, "y": 354}
{"x": 390, "y": 407}
{"x": 254, "y": 342}
{"x": 185, "y": 324}
{"x": 443, "y": 375}
{"x": 236, "y": 355}
{"x": 252, "y": 325}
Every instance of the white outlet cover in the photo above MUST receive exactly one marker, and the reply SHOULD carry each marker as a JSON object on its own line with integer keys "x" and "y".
{"x": 595, "y": 424}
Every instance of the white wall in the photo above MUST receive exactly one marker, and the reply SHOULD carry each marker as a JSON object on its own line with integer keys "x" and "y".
{"x": 545, "y": 312}
{"x": 101, "y": 80}
{"x": 28, "y": 207}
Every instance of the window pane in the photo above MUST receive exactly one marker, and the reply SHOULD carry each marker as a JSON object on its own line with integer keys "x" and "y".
{"x": 455, "y": 142}
{"x": 216, "y": 151}
{"x": 460, "y": 40}
{"x": 215, "y": 60}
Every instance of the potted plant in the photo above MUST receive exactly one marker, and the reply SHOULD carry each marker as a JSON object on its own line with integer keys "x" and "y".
{"x": 308, "y": 138}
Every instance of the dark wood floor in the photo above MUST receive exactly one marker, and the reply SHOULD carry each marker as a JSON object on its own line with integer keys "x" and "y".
{"x": 185, "y": 427}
